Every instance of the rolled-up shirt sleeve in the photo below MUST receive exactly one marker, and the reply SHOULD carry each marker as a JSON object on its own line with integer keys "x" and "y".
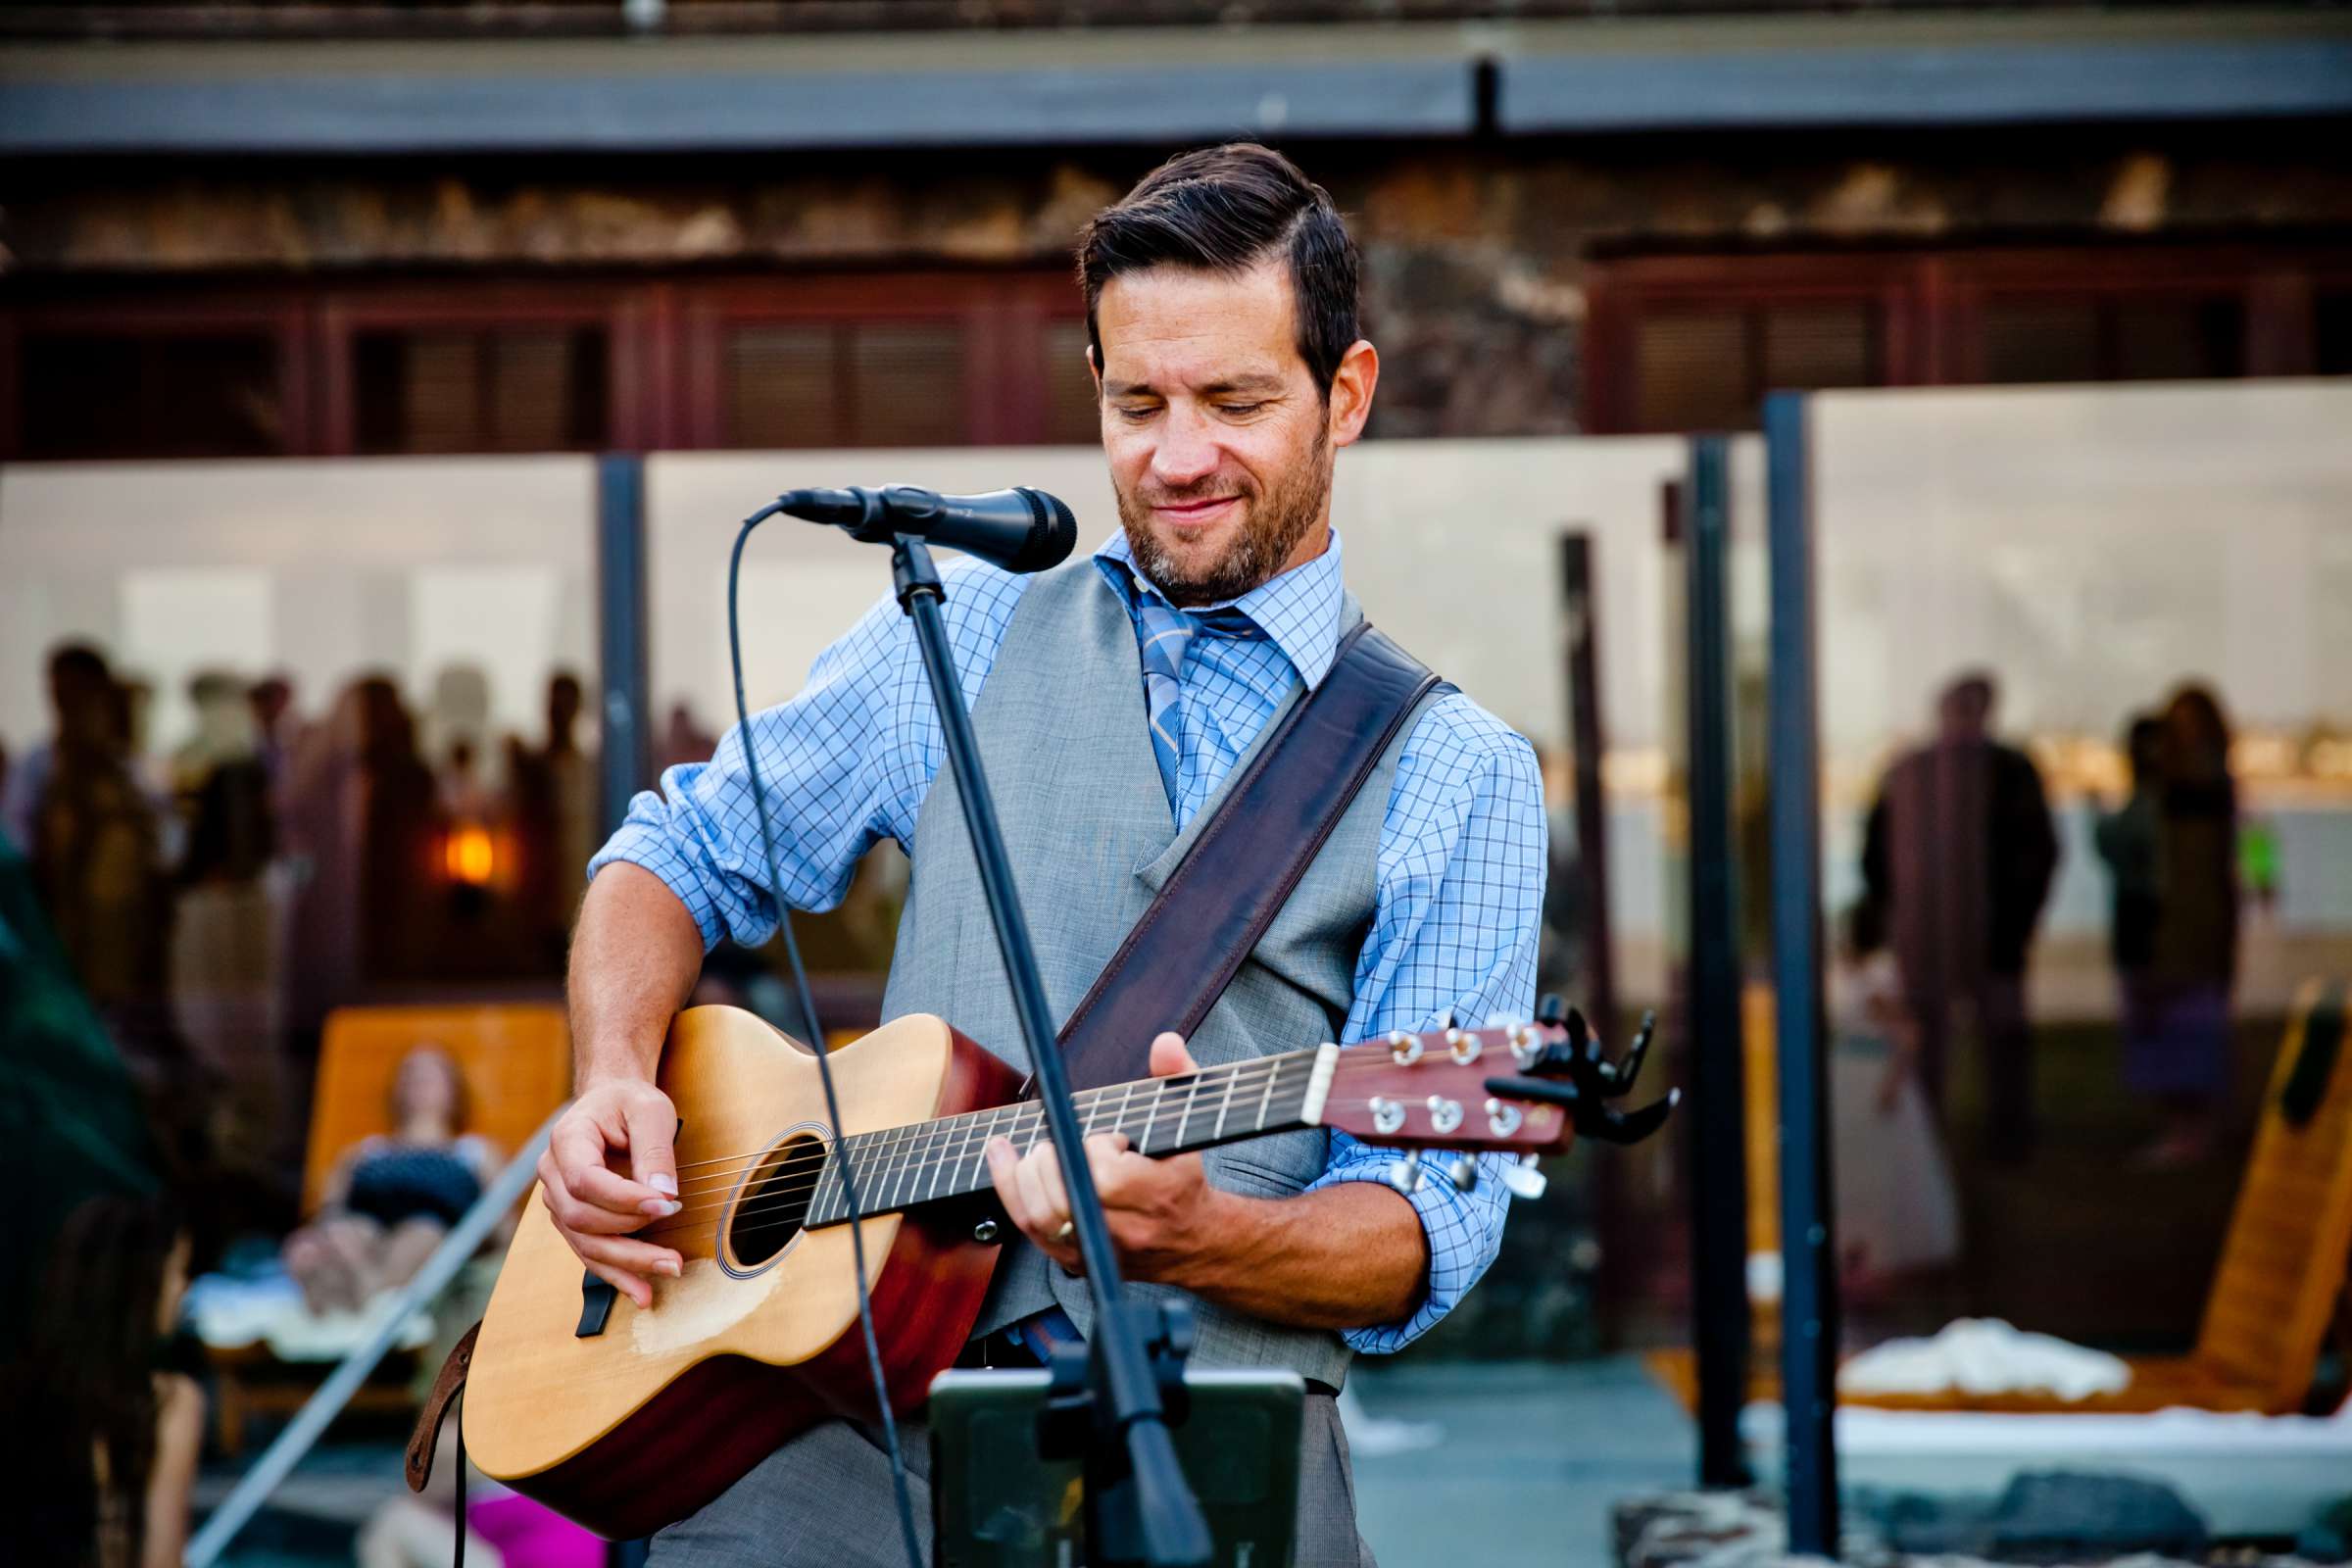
{"x": 843, "y": 764}
{"x": 1455, "y": 931}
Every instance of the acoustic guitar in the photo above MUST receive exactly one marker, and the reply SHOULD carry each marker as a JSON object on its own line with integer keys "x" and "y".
{"x": 626, "y": 1420}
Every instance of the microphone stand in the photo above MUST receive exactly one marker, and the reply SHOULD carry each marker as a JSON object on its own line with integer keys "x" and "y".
{"x": 1139, "y": 1511}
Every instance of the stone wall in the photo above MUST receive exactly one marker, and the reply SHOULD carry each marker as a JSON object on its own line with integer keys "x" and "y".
{"x": 1478, "y": 257}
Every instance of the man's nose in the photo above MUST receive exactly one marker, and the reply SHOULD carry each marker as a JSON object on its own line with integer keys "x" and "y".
{"x": 1188, "y": 449}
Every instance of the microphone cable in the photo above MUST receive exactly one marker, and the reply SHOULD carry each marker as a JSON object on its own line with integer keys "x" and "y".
{"x": 824, "y": 1066}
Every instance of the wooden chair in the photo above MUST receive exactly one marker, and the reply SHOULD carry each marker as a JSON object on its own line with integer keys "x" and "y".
{"x": 516, "y": 1062}
{"x": 2282, "y": 1266}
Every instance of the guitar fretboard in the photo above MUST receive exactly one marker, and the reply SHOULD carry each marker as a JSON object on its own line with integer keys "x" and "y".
{"x": 899, "y": 1167}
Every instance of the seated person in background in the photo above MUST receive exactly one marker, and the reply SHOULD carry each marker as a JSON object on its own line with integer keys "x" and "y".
{"x": 391, "y": 1198}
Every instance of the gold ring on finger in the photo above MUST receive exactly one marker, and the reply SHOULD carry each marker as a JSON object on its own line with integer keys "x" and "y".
{"x": 1069, "y": 1228}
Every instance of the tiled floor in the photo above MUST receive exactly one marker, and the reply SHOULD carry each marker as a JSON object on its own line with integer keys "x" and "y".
{"x": 1530, "y": 1457}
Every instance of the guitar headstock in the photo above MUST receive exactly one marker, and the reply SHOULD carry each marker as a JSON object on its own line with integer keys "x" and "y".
{"x": 1525, "y": 1089}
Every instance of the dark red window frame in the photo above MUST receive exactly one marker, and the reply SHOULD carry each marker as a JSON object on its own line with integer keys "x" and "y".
{"x": 665, "y": 337}
{"x": 1932, "y": 304}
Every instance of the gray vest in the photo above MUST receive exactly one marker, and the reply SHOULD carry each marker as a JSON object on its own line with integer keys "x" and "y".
{"x": 1091, "y": 837}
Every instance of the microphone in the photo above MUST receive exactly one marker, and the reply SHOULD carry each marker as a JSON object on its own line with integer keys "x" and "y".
{"x": 1019, "y": 530}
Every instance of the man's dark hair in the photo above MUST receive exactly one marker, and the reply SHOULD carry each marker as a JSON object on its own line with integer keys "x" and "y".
{"x": 1223, "y": 210}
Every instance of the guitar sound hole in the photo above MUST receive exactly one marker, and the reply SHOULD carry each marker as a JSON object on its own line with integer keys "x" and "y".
{"x": 775, "y": 1202}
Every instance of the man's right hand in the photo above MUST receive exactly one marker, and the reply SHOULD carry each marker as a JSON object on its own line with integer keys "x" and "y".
{"x": 611, "y": 1168}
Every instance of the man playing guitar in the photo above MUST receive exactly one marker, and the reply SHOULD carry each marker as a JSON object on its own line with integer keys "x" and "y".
{"x": 1113, "y": 698}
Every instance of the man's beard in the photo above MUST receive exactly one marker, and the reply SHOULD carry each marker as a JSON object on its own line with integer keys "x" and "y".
{"x": 1273, "y": 521}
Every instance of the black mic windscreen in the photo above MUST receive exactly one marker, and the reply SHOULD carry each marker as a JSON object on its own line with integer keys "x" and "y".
{"x": 1053, "y": 532}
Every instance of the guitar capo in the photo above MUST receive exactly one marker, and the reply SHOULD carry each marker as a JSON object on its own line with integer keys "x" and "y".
{"x": 1592, "y": 1080}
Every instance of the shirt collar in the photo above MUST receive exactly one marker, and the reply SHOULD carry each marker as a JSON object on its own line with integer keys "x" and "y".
{"x": 1297, "y": 610}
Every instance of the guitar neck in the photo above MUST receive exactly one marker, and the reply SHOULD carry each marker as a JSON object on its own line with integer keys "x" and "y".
{"x": 899, "y": 1167}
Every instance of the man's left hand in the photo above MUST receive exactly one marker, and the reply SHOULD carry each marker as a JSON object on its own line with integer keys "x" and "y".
{"x": 1163, "y": 1213}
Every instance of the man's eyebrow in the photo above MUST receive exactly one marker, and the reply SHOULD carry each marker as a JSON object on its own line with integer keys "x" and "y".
{"x": 1260, "y": 381}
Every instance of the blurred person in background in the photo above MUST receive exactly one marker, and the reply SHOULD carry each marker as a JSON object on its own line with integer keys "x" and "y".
{"x": 361, "y": 825}
{"x": 77, "y": 673}
{"x": 110, "y": 1437}
{"x": 683, "y": 739}
{"x": 391, "y": 1197}
{"x": 2129, "y": 841}
{"x": 1958, "y": 856}
{"x": 276, "y": 727}
{"x": 2180, "y": 1057}
{"x": 554, "y": 818}
{"x": 323, "y": 800}
{"x": 400, "y": 834}
{"x": 97, "y": 842}
{"x": 222, "y": 786}
{"x": 222, "y": 958}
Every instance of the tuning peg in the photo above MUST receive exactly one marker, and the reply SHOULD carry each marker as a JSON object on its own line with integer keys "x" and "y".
{"x": 1607, "y": 1126}
{"x": 1550, "y": 1010}
{"x": 1580, "y": 1034}
{"x": 1525, "y": 1179}
{"x": 1464, "y": 1173}
{"x": 1630, "y": 1068}
{"x": 1406, "y": 1176}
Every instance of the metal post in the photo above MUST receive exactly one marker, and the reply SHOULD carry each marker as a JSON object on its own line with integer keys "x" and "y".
{"x": 1712, "y": 976}
{"x": 1581, "y": 637}
{"x": 627, "y": 762}
{"x": 1808, "y": 1247}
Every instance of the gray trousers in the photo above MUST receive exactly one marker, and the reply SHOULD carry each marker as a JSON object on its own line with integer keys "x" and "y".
{"x": 823, "y": 1500}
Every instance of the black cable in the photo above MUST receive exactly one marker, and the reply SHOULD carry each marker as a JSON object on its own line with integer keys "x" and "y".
{"x": 816, "y": 1043}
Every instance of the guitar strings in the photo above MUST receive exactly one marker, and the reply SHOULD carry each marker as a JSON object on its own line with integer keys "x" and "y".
{"x": 1255, "y": 1075}
{"x": 768, "y": 1204}
{"x": 947, "y": 1152}
{"x": 1082, "y": 1099}
{"x": 1252, "y": 1075}
{"x": 770, "y": 1201}
{"x": 769, "y": 1218}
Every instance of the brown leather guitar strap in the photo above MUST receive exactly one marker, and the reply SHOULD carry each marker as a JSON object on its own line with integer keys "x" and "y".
{"x": 1246, "y": 862}
{"x": 427, "y": 1434}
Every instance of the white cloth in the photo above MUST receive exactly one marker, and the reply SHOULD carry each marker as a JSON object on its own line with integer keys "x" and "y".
{"x": 1984, "y": 1355}
{"x": 230, "y": 1313}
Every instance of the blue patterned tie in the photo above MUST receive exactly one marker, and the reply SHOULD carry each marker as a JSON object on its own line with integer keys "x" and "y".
{"x": 1163, "y": 634}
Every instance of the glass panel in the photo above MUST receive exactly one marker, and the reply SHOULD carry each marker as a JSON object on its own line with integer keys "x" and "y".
{"x": 1693, "y": 371}
{"x": 105, "y": 395}
{"x": 783, "y": 387}
{"x": 2085, "y": 821}
{"x": 296, "y": 755}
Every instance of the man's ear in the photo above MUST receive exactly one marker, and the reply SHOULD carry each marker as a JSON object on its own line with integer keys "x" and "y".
{"x": 1093, "y": 367}
{"x": 1351, "y": 386}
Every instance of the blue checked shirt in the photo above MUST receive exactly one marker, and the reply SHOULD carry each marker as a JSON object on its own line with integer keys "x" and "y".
{"x": 1460, "y": 874}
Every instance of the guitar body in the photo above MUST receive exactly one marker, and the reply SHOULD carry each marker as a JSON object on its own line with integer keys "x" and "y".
{"x": 637, "y": 1426}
